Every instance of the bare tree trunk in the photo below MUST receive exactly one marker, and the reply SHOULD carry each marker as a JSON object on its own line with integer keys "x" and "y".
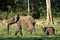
{"x": 48, "y": 18}
{"x": 28, "y": 8}
{"x": 49, "y": 15}
{"x": 51, "y": 18}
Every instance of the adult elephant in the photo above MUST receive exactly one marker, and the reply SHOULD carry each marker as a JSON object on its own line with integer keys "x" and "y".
{"x": 25, "y": 22}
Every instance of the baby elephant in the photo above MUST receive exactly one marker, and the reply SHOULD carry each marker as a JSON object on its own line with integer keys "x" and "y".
{"x": 49, "y": 30}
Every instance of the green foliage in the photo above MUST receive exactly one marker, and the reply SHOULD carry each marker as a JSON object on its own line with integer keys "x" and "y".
{"x": 37, "y": 8}
{"x": 23, "y": 13}
{"x": 3, "y": 15}
{"x": 35, "y": 14}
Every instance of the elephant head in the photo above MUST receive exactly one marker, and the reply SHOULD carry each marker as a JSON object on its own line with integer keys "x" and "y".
{"x": 12, "y": 20}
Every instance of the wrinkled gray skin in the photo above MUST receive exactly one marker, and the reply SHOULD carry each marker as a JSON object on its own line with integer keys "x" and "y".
{"x": 25, "y": 22}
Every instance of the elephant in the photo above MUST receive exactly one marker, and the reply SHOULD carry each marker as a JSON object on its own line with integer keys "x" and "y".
{"x": 49, "y": 30}
{"x": 23, "y": 22}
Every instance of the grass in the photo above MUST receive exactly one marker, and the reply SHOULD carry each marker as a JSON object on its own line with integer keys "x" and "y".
{"x": 26, "y": 35}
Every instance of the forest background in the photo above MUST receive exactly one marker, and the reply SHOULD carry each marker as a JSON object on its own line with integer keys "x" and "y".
{"x": 9, "y": 8}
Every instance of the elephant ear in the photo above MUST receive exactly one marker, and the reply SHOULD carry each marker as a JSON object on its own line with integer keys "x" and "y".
{"x": 16, "y": 18}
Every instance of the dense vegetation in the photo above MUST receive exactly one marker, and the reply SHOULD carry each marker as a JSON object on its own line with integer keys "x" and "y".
{"x": 9, "y": 8}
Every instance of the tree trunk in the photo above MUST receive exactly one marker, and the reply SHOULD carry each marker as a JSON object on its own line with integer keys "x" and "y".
{"x": 28, "y": 8}
{"x": 49, "y": 15}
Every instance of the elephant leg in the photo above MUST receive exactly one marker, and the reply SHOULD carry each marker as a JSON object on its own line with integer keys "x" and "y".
{"x": 19, "y": 27}
{"x": 47, "y": 33}
{"x": 8, "y": 29}
{"x": 30, "y": 32}
{"x": 35, "y": 32}
{"x": 8, "y": 25}
{"x": 20, "y": 30}
{"x": 16, "y": 32}
{"x": 34, "y": 29}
